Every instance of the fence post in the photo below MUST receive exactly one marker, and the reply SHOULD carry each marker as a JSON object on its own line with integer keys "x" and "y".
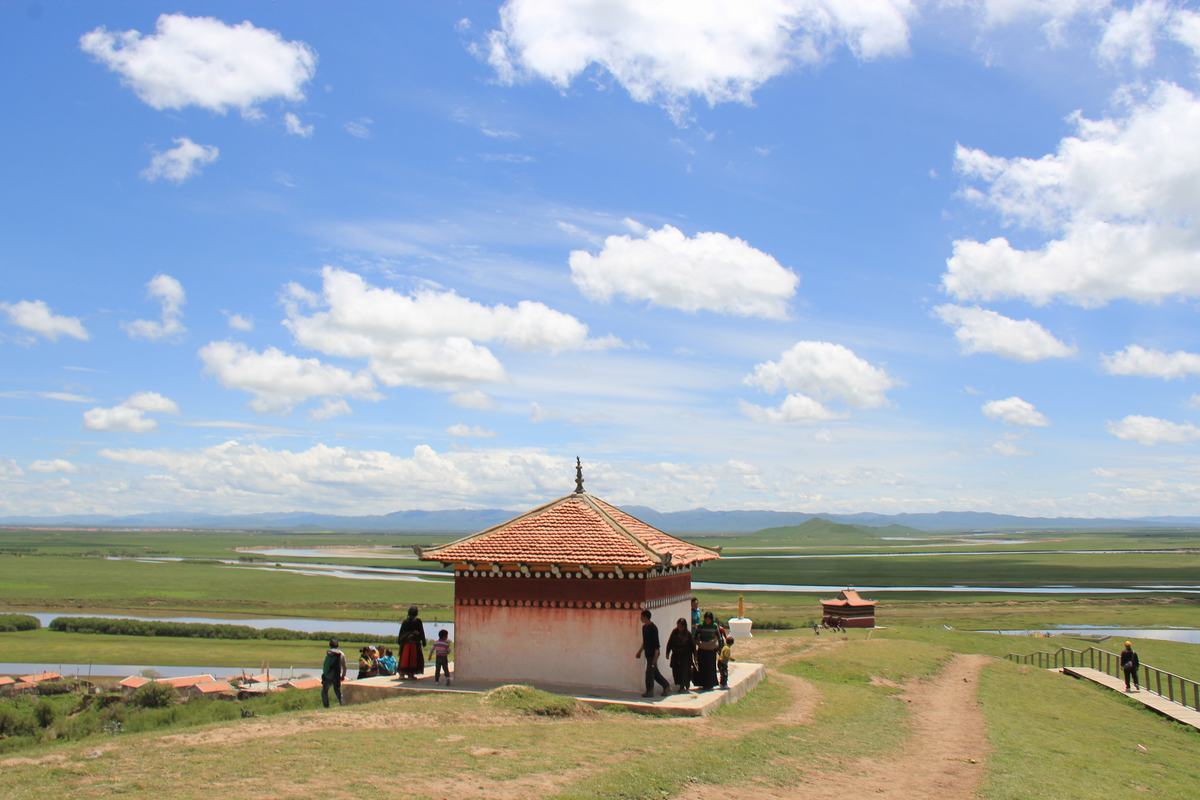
{"x": 1196, "y": 695}
{"x": 1158, "y": 682}
{"x": 1170, "y": 687}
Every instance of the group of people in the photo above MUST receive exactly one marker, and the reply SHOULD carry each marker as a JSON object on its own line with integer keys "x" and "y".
{"x": 374, "y": 661}
{"x": 699, "y": 654}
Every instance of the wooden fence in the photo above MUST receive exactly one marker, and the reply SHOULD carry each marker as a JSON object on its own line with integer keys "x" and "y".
{"x": 1178, "y": 688}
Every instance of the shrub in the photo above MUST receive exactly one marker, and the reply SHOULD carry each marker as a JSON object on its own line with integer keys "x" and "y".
{"x": 16, "y": 719}
{"x": 528, "y": 700}
{"x": 194, "y": 630}
{"x": 153, "y": 695}
{"x": 49, "y": 688}
{"x": 18, "y": 622}
{"x": 44, "y": 714}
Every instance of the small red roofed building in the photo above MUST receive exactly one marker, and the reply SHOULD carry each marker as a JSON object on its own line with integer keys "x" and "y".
{"x": 7, "y": 685}
{"x": 221, "y": 689}
{"x": 39, "y": 677}
{"x": 554, "y": 596}
{"x": 183, "y": 684}
{"x": 132, "y": 684}
{"x": 850, "y": 609}
{"x": 302, "y": 683}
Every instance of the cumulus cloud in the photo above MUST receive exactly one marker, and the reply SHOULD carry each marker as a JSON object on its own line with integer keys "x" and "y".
{"x": 239, "y": 322}
{"x": 201, "y": 61}
{"x": 705, "y": 272}
{"x": 1015, "y": 411}
{"x": 332, "y": 407}
{"x": 1142, "y": 361}
{"x": 427, "y": 338}
{"x": 1130, "y": 33}
{"x": 1138, "y": 243}
{"x": 473, "y": 399}
{"x": 1152, "y": 430}
{"x": 130, "y": 415}
{"x": 359, "y": 128}
{"x": 181, "y": 162}
{"x": 278, "y": 381}
{"x": 37, "y": 318}
{"x": 52, "y": 465}
{"x": 670, "y": 51}
{"x": 979, "y": 330}
{"x": 293, "y": 125}
{"x": 794, "y": 408}
{"x": 464, "y": 431}
{"x": 169, "y": 294}
{"x": 1009, "y": 448}
{"x": 816, "y": 372}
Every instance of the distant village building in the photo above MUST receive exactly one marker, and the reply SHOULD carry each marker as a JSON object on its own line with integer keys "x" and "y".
{"x": 132, "y": 684}
{"x": 220, "y": 689}
{"x": 182, "y": 685}
{"x": 850, "y": 609}
{"x": 7, "y": 686}
{"x": 554, "y": 596}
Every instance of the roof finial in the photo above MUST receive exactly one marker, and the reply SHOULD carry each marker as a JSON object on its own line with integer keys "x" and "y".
{"x": 578, "y": 476}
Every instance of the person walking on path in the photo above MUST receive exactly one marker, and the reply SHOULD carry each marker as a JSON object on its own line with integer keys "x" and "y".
{"x": 681, "y": 654}
{"x": 333, "y": 672}
{"x": 412, "y": 645}
{"x": 650, "y": 647}
{"x": 1130, "y": 666}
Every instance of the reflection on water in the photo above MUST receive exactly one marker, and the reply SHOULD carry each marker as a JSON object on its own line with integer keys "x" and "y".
{"x": 795, "y": 587}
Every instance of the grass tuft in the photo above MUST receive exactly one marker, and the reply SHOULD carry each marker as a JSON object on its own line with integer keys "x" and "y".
{"x": 528, "y": 700}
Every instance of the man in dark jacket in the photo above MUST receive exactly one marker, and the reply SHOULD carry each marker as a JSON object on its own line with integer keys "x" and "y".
{"x": 333, "y": 672}
{"x": 1130, "y": 665}
{"x": 651, "y": 646}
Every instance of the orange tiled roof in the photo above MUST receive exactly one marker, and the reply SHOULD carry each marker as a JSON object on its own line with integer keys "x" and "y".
{"x": 187, "y": 680}
{"x": 5, "y": 680}
{"x": 576, "y": 529}
{"x": 304, "y": 683}
{"x": 213, "y": 687}
{"x": 848, "y": 597}
{"x": 39, "y": 677}
{"x": 134, "y": 682}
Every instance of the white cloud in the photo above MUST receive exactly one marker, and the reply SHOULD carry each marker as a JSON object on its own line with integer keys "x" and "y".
{"x": 1185, "y": 29}
{"x": 794, "y": 408}
{"x": 473, "y": 399}
{"x": 53, "y": 465}
{"x": 815, "y": 372}
{"x": 670, "y": 51}
{"x": 1138, "y": 360}
{"x": 332, "y": 407}
{"x": 464, "y": 431}
{"x": 427, "y": 338}
{"x": 1009, "y": 448}
{"x": 1054, "y": 15}
{"x": 1015, "y": 411}
{"x": 239, "y": 323}
{"x": 36, "y": 317}
{"x": 706, "y": 272}
{"x": 1130, "y": 33}
{"x": 1152, "y": 430}
{"x": 1137, "y": 242}
{"x": 169, "y": 294}
{"x": 278, "y": 381}
{"x": 295, "y": 127}
{"x": 181, "y": 162}
{"x": 65, "y": 397}
{"x": 10, "y": 468}
{"x": 130, "y": 415}
{"x": 359, "y": 128}
{"x": 979, "y": 330}
{"x": 201, "y": 61}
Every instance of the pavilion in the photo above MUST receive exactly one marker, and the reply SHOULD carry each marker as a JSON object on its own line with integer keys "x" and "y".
{"x": 554, "y": 596}
{"x": 853, "y": 610}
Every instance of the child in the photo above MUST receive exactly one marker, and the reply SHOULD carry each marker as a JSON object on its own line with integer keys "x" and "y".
{"x": 723, "y": 661}
{"x": 440, "y": 653}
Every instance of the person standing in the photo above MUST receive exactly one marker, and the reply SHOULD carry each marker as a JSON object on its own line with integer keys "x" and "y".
{"x": 333, "y": 672}
{"x": 681, "y": 654}
{"x": 412, "y": 645}
{"x": 695, "y": 614}
{"x": 1130, "y": 666}
{"x": 726, "y": 655}
{"x": 440, "y": 652}
{"x": 650, "y": 647}
{"x": 708, "y": 643}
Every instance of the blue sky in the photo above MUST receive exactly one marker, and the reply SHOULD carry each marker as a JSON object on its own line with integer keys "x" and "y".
{"x": 798, "y": 255}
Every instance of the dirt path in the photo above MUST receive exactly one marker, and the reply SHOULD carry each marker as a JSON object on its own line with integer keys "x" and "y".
{"x": 943, "y": 759}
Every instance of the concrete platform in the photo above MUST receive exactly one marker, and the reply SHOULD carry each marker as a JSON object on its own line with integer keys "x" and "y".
{"x": 743, "y": 677}
{"x": 1176, "y": 711}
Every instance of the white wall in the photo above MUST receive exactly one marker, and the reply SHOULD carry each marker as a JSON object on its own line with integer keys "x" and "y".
{"x": 583, "y": 648}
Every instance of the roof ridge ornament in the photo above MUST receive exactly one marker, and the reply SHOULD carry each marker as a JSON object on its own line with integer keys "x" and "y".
{"x": 578, "y": 476}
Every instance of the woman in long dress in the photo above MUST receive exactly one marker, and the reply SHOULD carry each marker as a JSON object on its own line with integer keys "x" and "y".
{"x": 708, "y": 642}
{"x": 412, "y": 645}
{"x": 681, "y": 652}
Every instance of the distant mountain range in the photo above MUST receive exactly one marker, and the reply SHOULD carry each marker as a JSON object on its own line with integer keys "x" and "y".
{"x": 696, "y": 521}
